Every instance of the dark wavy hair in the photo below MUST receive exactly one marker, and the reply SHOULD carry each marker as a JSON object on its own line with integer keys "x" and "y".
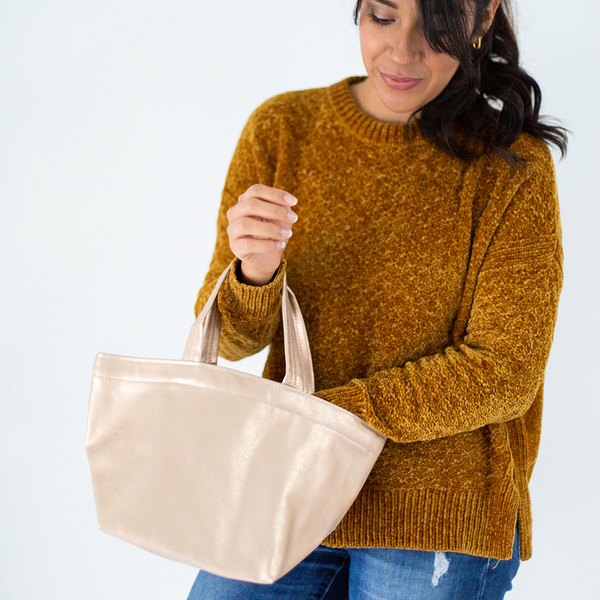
{"x": 490, "y": 98}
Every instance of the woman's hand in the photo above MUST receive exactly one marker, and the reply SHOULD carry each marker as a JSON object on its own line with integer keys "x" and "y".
{"x": 260, "y": 225}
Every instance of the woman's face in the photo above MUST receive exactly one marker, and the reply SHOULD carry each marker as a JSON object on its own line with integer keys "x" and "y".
{"x": 394, "y": 48}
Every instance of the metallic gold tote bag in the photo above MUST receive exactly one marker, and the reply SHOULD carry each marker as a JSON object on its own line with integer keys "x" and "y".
{"x": 234, "y": 474}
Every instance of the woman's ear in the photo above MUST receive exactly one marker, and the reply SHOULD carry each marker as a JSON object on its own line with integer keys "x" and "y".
{"x": 488, "y": 16}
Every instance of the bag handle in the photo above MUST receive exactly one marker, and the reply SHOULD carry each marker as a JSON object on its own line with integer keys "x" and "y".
{"x": 203, "y": 341}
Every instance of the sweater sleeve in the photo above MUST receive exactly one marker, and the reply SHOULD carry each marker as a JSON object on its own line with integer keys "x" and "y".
{"x": 250, "y": 314}
{"x": 495, "y": 372}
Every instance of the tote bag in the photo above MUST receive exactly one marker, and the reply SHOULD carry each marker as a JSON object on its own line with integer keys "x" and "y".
{"x": 234, "y": 474}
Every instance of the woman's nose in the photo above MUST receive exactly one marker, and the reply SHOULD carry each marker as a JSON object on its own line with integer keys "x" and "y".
{"x": 407, "y": 45}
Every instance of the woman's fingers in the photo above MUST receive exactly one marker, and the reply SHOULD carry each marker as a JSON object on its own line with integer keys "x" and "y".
{"x": 260, "y": 225}
{"x": 249, "y": 247}
{"x": 269, "y": 194}
{"x": 259, "y": 207}
{"x": 252, "y": 227}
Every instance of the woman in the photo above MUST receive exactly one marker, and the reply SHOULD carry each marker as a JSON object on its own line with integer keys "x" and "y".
{"x": 426, "y": 258}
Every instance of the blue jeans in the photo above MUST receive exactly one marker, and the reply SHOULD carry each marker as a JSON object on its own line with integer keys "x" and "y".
{"x": 374, "y": 574}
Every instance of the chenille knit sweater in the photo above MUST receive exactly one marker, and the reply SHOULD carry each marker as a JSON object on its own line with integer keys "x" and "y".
{"x": 429, "y": 289}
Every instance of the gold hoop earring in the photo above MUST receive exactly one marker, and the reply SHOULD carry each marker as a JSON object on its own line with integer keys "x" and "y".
{"x": 477, "y": 44}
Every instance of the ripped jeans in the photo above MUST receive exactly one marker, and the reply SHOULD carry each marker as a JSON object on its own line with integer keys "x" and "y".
{"x": 374, "y": 574}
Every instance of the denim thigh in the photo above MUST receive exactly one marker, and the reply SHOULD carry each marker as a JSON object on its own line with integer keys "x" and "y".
{"x": 309, "y": 580}
{"x": 390, "y": 574}
{"x": 374, "y": 574}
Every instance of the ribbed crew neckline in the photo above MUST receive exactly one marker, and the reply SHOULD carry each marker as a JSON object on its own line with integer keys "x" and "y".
{"x": 360, "y": 123}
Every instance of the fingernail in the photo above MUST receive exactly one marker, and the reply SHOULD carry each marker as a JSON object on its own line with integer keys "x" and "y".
{"x": 293, "y": 217}
{"x": 286, "y": 233}
{"x": 290, "y": 199}
{"x": 281, "y": 245}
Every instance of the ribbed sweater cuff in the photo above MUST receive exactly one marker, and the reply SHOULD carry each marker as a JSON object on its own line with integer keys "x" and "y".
{"x": 351, "y": 397}
{"x": 257, "y": 301}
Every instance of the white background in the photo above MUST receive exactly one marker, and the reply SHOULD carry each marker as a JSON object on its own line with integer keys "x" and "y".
{"x": 118, "y": 120}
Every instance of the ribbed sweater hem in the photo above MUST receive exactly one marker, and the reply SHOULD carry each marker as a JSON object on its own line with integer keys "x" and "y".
{"x": 480, "y": 524}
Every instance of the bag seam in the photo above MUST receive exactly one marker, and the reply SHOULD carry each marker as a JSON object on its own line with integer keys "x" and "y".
{"x": 241, "y": 396}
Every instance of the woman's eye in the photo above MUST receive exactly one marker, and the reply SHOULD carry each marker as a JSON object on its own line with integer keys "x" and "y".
{"x": 375, "y": 19}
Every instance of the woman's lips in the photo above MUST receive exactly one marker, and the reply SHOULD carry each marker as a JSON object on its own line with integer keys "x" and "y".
{"x": 399, "y": 83}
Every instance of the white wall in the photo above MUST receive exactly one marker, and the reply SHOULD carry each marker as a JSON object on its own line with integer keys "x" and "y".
{"x": 117, "y": 123}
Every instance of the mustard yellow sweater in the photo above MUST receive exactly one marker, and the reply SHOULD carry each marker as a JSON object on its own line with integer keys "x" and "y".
{"x": 429, "y": 288}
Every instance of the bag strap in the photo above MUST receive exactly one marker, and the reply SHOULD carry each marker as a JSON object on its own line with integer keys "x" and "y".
{"x": 203, "y": 341}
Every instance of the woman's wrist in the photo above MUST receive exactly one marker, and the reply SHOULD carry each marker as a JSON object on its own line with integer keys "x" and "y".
{"x": 250, "y": 276}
